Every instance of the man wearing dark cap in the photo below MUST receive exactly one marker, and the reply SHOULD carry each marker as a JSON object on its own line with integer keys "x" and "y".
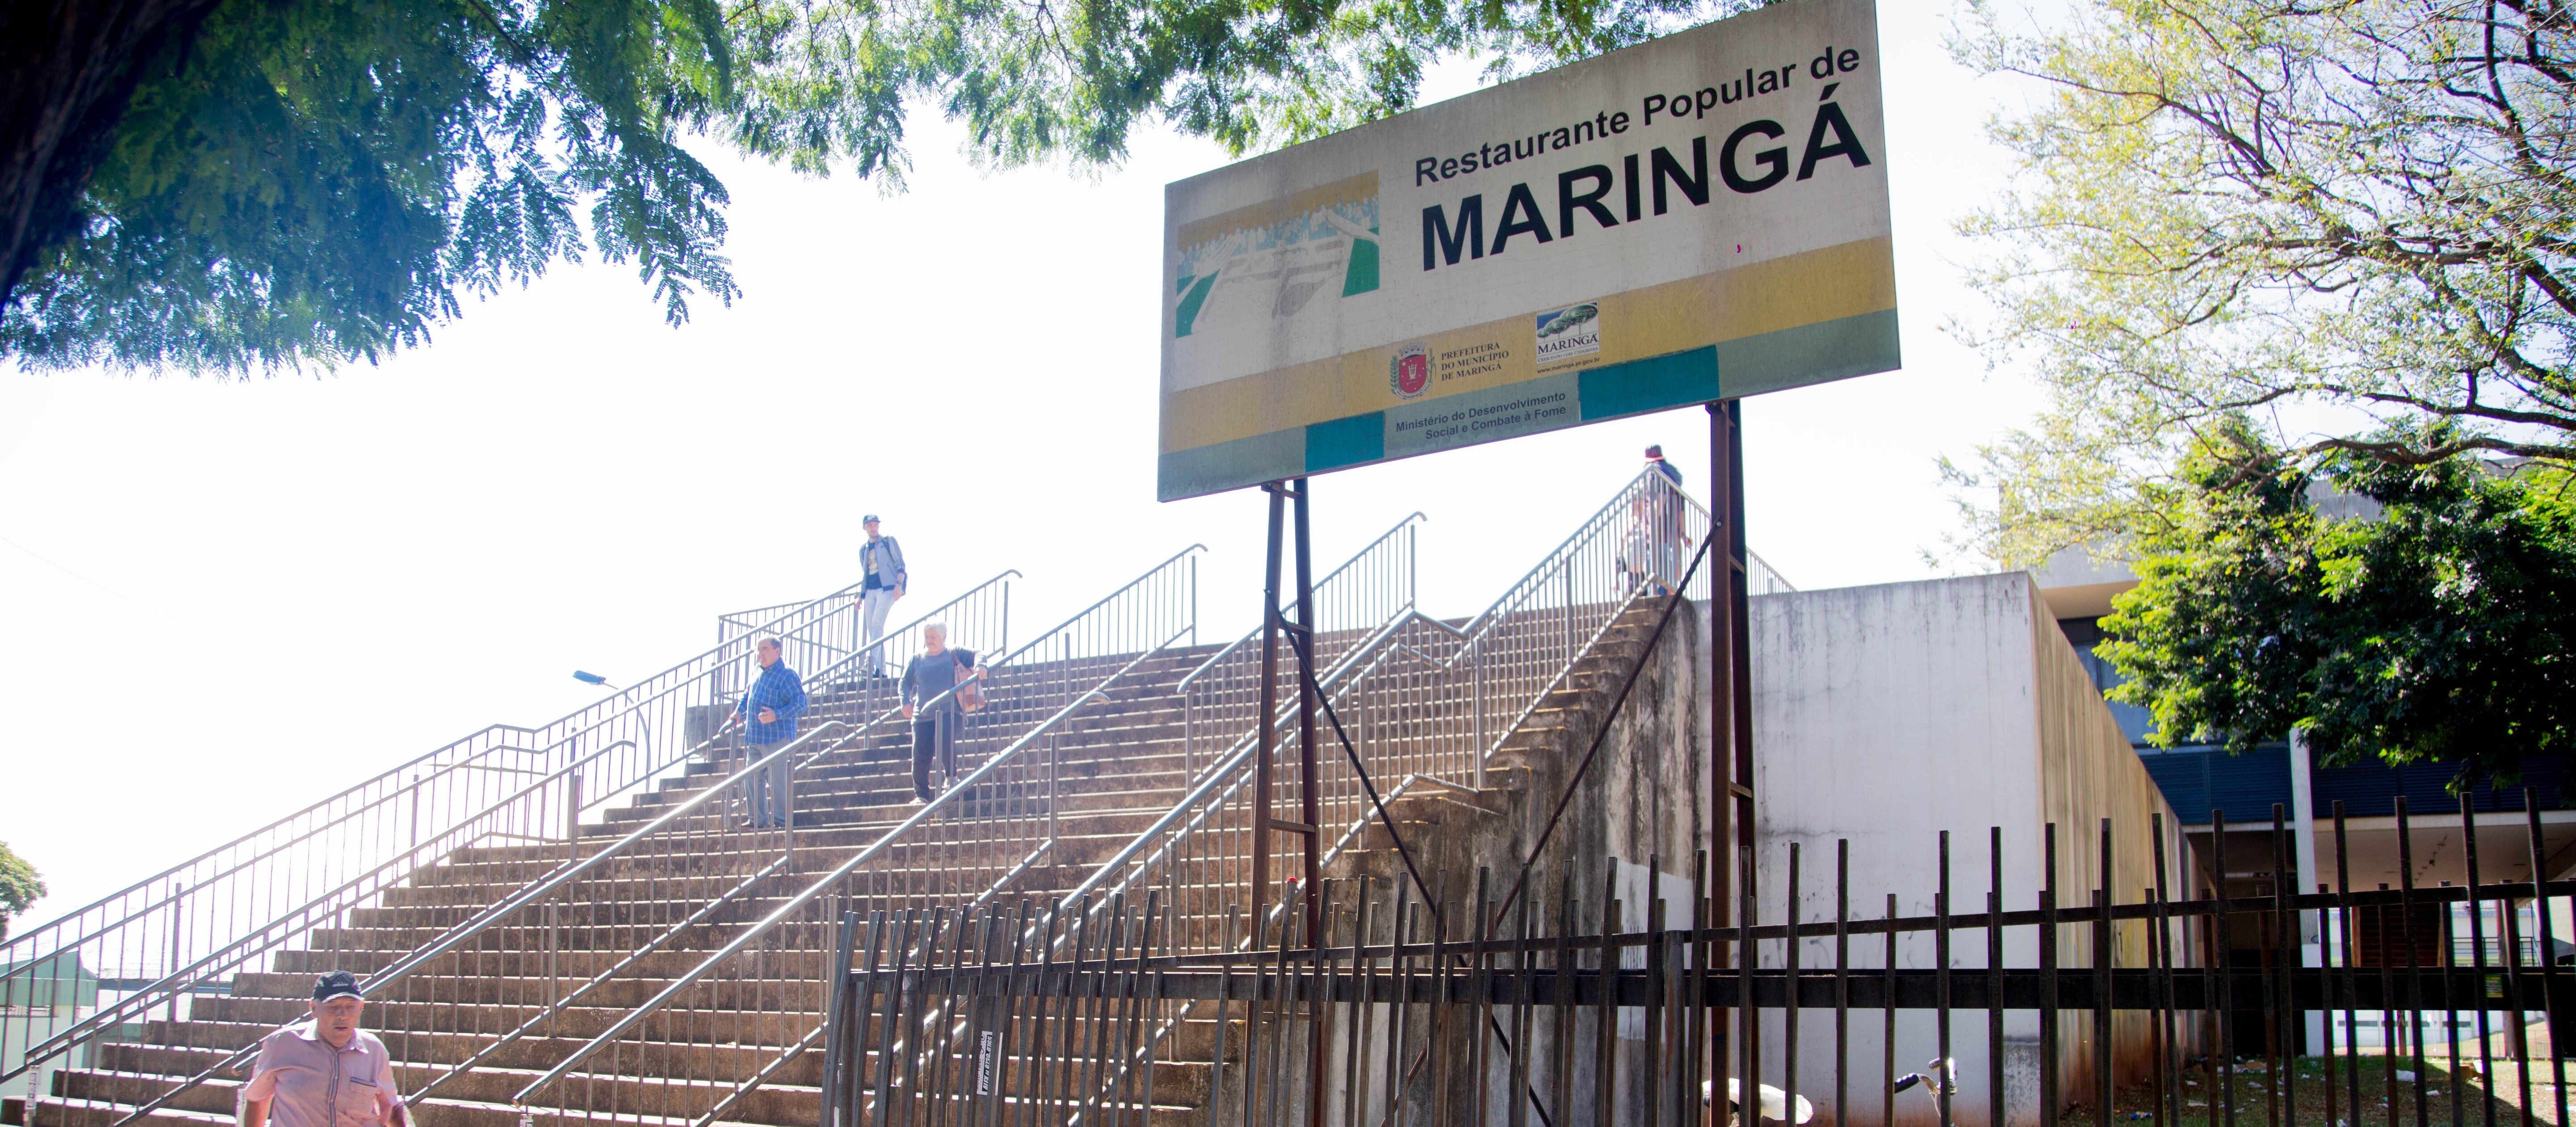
{"x": 883, "y": 581}
{"x": 324, "y": 1072}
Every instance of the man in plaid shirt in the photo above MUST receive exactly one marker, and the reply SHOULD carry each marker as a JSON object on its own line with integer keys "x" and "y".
{"x": 769, "y": 713}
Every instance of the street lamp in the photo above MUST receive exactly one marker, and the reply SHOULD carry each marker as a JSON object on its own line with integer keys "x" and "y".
{"x": 589, "y": 678}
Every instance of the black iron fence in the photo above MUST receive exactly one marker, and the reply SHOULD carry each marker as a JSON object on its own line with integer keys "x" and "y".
{"x": 1547, "y": 1000}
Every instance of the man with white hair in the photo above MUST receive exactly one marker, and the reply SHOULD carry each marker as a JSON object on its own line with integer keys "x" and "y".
{"x": 769, "y": 713}
{"x": 932, "y": 708}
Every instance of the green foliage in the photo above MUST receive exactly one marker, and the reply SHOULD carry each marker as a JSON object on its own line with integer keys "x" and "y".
{"x": 20, "y": 886}
{"x": 312, "y": 181}
{"x": 2442, "y": 628}
{"x": 2361, "y": 211}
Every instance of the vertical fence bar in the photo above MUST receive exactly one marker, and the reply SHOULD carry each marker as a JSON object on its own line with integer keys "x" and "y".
{"x": 1941, "y": 988}
{"x": 1562, "y": 985}
{"x": 2285, "y": 954}
{"x": 1994, "y": 975}
{"x": 1789, "y": 965}
{"x": 2221, "y": 939}
{"x": 2414, "y": 958}
{"x": 1605, "y": 1023}
{"x": 1887, "y": 1084}
{"x": 2478, "y": 961}
{"x": 1842, "y": 980}
{"x": 1479, "y": 1029}
{"x": 2050, "y": 1100}
{"x": 2348, "y": 980}
{"x": 2169, "y": 1106}
{"x": 1224, "y": 1006}
{"x": 2551, "y": 979}
{"x": 2103, "y": 959}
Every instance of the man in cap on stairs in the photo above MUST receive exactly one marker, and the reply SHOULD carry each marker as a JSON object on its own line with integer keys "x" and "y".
{"x": 769, "y": 713}
{"x": 884, "y": 579}
{"x": 324, "y": 1071}
{"x": 1667, "y": 517}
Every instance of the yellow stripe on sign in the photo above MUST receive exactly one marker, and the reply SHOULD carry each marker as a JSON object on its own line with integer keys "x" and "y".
{"x": 1811, "y": 287}
{"x": 1270, "y": 213}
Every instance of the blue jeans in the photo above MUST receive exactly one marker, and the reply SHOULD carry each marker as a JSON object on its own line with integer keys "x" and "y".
{"x": 765, "y": 791}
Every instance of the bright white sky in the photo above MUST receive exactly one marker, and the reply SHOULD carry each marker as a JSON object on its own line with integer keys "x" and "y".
{"x": 226, "y": 600}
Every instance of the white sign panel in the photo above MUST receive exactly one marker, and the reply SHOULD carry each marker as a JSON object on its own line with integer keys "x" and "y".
{"x": 1700, "y": 217}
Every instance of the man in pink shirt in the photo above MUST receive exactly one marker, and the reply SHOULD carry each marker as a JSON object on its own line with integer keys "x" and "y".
{"x": 326, "y": 1072}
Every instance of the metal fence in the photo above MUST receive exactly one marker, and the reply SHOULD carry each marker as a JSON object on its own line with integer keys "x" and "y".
{"x": 1441, "y": 1006}
{"x": 256, "y": 903}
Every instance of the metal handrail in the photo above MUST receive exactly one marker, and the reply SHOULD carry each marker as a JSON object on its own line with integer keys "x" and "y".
{"x": 965, "y": 785}
{"x": 565, "y": 874}
{"x": 1161, "y": 844}
{"x": 1478, "y": 631}
{"x": 546, "y": 884}
{"x": 157, "y": 992}
{"x": 1349, "y": 673}
{"x": 1233, "y": 761}
{"x": 1183, "y": 685}
{"x": 28, "y": 935}
{"x": 149, "y": 996}
{"x": 956, "y": 793}
{"x": 27, "y": 940}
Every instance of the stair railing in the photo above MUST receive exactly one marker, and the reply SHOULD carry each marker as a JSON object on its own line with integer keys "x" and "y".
{"x": 1221, "y": 696}
{"x": 738, "y": 1016}
{"x": 486, "y": 954}
{"x": 1424, "y": 704}
{"x": 1417, "y": 698}
{"x": 253, "y": 903}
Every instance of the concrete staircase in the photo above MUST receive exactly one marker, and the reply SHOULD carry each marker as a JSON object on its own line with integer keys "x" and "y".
{"x": 1121, "y": 766}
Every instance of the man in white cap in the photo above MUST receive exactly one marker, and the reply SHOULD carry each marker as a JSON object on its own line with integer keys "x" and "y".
{"x": 1667, "y": 515}
{"x": 325, "y": 1071}
{"x": 881, "y": 564}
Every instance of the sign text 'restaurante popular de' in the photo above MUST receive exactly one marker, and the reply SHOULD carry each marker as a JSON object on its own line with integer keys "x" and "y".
{"x": 1700, "y": 217}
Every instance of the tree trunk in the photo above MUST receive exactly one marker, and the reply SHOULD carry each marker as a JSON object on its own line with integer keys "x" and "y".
{"x": 67, "y": 70}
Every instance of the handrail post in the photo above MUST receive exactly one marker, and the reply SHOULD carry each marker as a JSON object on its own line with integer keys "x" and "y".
{"x": 1476, "y": 707}
{"x": 178, "y": 922}
{"x": 572, "y": 816}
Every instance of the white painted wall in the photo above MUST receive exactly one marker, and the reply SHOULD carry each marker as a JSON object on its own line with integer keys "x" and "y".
{"x": 1885, "y": 715}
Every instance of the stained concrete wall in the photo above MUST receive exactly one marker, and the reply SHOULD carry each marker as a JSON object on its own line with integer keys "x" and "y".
{"x": 1886, "y": 715}
{"x": 1883, "y": 716}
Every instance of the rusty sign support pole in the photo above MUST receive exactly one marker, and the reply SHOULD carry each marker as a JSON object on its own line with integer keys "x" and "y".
{"x": 1730, "y": 724}
{"x": 1262, "y": 725}
{"x": 1309, "y": 801}
{"x": 1309, "y": 808}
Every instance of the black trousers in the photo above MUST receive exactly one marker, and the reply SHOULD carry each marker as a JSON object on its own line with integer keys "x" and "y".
{"x": 934, "y": 731}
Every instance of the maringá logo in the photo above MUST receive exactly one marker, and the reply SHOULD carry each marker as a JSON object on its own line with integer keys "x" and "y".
{"x": 1564, "y": 334}
{"x": 1410, "y": 371}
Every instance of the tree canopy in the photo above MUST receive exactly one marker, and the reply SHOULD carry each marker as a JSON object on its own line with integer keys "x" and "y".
{"x": 233, "y": 185}
{"x": 2341, "y": 214}
{"x": 2441, "y": 627}
{"x": 20, "y": 886}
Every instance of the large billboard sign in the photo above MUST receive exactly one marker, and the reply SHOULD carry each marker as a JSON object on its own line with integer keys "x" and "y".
{"x": 1700, "y": 217}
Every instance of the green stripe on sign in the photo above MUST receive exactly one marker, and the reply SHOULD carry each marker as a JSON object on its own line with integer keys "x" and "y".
{"x": 1638, "y": 386}
{"x": 1345, "y": 442}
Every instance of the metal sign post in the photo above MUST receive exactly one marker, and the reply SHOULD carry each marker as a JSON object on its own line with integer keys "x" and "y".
{"x": 1730, "y": 727}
